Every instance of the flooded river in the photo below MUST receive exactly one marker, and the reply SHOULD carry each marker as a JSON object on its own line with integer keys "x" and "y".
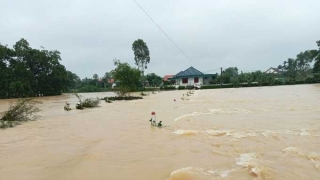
{"x": 245, "y": 133}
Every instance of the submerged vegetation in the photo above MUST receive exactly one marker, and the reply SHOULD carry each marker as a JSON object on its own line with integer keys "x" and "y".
{"x": 86, "y": 102}
{"x": 120, "y": 98}
{"x": 107, "y": 100}
{"x": 21, "y": 111}
{"x": 144, "y": 94}
{"x": 67, "y": 107}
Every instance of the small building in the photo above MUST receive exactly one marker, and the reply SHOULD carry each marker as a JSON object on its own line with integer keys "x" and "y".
{"x": 192, "y": 77}
{"x": 167, "y": 77}
{"x": 273, "y": 71}
{"x": 111, "y": 81}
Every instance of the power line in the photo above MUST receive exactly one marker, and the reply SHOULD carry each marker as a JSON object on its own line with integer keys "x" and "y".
{"x": 163, "y": 32}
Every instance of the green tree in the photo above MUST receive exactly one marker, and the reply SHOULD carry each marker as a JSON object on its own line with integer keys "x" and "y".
{"x": 141, "y": 54}
{"x": 73, "y": 80}
{"x": 153, "y": 79}
{"x": 126, "y": 75}
{"x": 316, "y": 55}
{"x": 291, "y": 68}
{"x": 229, "y": 73}
{"x": 107, "y": 76}
{"x": 284, "y": 65}
{"x": 95, "y": 76}
{"x": 26, "y": 72}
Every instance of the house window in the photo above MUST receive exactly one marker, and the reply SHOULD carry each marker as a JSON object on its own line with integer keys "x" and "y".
{"x": 185, "y": 80}
{"x": 196, "y": 80}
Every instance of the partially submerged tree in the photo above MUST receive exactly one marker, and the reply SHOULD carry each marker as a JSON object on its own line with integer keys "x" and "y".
{"x": 22, "y": 110}
{"x": 86, "y": 102}
{"x": 126, "y": 76}
{"x": 141, "y": 54}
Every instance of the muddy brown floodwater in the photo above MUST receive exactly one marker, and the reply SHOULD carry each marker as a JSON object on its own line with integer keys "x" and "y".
{"x": 245, "y": 133}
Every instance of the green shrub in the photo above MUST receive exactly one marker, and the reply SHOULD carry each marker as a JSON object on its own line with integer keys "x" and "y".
{"x": 316, "y": 77}
{"x": 278, "y": 82}
{"x": 119, "y": 98}
{"x": 299, "y": 82}
{"x": 167, "y": 88}
{"x": 309, "y": 80}
{"x": 87, "y": 102}
{"x": 290, "y": 81}
{"x": 22, "y": 110}
{"x": 181, "y": 87}
{"x": 217, "y": 86}
{"x": 235, "y": 81}
{"x": 107, "y": 100}
{"x": 189, "y": 87}
{"x": 150, "y": 89}
{"x": 122, "y": 91}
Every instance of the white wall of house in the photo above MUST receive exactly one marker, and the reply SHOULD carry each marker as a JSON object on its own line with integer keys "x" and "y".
{"x": 190, "y": 81}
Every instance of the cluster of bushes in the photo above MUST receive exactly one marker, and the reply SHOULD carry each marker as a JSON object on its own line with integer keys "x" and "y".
{"x": 217, "y": 86}
{"x": 87, "y": 102}
{"x": 119, "y": 98}
{"x": 23, "y": 110}
{"x": 186, "y": 87}
{"x": 314, "y": 79}
{"x": 174, "y": 88}
{"x": 167, "y": 88}
{"x": 181, "y": 87}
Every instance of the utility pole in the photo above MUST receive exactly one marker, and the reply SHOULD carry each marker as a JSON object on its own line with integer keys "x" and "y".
{"x": 221, "y": 76}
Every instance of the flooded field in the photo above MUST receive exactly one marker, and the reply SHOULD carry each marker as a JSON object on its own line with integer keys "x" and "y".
{"x": 245, "y": 133}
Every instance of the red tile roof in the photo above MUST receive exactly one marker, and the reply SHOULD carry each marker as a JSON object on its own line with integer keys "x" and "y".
{"x": 110, "y": 81}
{"x": 166, "y": 77}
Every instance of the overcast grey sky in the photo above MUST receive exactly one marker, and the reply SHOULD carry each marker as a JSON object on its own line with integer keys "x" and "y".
{"x": 249, "y": 34}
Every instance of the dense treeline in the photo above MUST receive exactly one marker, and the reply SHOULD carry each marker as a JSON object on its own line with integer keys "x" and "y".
{"x": 27, "y": 72}
{"x": 100, "y": 84}
{"x": 294, "y": 70}
{"x": 94, "y": 84}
